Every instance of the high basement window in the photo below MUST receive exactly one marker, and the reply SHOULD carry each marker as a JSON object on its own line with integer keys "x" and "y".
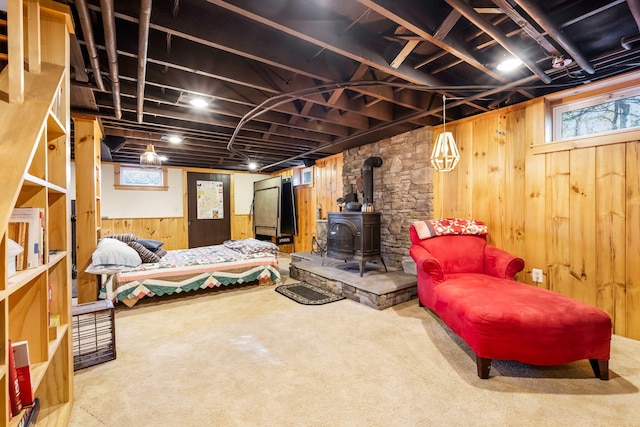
{"x": 130, "y": 177}
{"x": 601, "y": 114}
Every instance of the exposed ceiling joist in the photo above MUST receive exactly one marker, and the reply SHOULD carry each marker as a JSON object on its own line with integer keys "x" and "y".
{"x": 288, "y": 80}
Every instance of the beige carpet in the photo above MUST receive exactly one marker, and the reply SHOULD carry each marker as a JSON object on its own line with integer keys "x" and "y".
{"x": 252, "y": 357}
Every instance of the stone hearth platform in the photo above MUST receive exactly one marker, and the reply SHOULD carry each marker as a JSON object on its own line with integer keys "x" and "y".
{"x": 376, "y": 288}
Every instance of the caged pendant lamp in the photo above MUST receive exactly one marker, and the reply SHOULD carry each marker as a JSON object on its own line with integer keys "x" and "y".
{"x": 445, "y": 154}
{"x": 150, "y": 159}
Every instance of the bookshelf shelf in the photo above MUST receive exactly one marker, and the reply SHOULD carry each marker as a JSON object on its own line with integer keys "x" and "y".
{"x": 24, "y": 277}
{"x": 39, "y": 183}
{"x": 34, "y": 159}
{"x": 56, "y": 257}
{"x": 34, "y": 181}
{"x": 55, "y": 343}
{"x": 55, "y": 128}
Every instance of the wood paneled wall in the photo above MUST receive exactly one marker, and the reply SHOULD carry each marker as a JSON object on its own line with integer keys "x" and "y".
{"x": 573, "y": 212}
{"x": 171, "y": 231}
{"x": 241, "y": 226}
{"x": 328, "y": 184}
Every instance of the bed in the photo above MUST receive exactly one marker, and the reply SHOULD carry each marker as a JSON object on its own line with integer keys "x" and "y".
{"x": 131, "y": 270}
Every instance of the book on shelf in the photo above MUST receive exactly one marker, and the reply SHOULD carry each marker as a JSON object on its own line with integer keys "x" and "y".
{"x": 13, "y": 250}
{"x": 34, "y": 249}
{"x": 30, "y": 415}
{"x": 23, "y": 369}
{"x": 19, "y": 233}
{"x": 14, "y": 386}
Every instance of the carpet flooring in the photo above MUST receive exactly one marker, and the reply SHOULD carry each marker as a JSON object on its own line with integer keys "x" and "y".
{"x": 308, "y": 294}
{"x": 249, "y": 357}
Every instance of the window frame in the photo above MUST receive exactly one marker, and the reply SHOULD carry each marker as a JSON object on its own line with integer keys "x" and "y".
{"x": 119, "y": 185}
{"x": 601, "y": 98}
{"x": 548, "y": 145}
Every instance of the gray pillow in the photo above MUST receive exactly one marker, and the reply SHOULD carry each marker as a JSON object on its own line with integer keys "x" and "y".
{"x": 115, "y": 252}
{"x": 150, "y": 244}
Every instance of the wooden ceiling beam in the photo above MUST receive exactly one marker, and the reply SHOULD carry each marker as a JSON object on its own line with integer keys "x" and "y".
{"x": 205, "y": 119}
{"x": 259, "y": 49}
{"x": 329, "y": 35}
{"x": 393, "y": 10}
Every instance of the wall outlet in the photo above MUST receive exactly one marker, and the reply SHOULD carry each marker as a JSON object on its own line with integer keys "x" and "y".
{"x": 536, "y": 275}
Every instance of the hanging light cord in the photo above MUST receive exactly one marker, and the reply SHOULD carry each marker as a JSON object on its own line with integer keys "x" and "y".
{"x": 444, "y": 113}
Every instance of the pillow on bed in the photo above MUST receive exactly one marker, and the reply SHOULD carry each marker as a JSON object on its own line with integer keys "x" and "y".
{"x": 114, "y": 252}
{"x": 123, "y": 237}
{"x": 145, "y": 254}
{"x": 252, "y": 246}
{"x": 152, "y": 245}
{"x": 160, "y": 252}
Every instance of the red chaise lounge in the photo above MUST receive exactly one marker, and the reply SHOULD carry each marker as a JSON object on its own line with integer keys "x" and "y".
{"x": 470, "y": 285}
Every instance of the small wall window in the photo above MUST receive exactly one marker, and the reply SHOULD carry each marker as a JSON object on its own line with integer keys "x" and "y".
{"x": 306, "y": 177}
{"x": 303, "y": 176}
{"x": 130, "y": 177}
{"x": 609, "y": 112}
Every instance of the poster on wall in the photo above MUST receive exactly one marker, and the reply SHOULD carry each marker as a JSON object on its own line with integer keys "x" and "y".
{"x": 210, "y": 199}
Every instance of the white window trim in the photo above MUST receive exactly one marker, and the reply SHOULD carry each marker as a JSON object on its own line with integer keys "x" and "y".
{"x": 118, "y": 185}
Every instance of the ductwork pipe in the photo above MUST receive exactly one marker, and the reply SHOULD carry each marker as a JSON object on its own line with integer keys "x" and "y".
{"x": 556, "y": 33}
{"x": 87, "y": 31}
{"x": 367, "y": 177}
{"x": 486, "y": 26}
{"x": 109, "y": 24}
{"x": 627, "y": 42}
{"x": 143, "y": 42}
{"x": 634, "y": 7}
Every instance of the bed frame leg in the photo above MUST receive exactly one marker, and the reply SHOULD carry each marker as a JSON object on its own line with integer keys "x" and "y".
{"x": 600, "y": 368}
{"x": 484, "y": 365}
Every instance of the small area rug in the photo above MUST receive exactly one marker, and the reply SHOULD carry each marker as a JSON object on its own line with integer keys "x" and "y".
{"x": 308, "y": 294}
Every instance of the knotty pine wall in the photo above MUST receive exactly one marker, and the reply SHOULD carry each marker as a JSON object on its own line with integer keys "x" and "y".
{"x": 572, "y": 210}
{"x": 171, "y": 231}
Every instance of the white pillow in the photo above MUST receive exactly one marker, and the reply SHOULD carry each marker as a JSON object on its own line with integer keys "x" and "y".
{"x": 115, "y": 252}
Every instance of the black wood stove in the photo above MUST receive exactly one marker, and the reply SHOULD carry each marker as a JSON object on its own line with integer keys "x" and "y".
{"x": 354, "y": 236}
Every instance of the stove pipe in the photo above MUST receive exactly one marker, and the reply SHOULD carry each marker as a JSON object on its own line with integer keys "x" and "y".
{"x": 367, "y": 177}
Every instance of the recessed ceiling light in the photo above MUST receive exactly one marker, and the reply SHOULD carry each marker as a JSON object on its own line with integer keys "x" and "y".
{"x": 174, "y": 139}
{"x": 198, "y": 102}
{"x": 509, "y": 64}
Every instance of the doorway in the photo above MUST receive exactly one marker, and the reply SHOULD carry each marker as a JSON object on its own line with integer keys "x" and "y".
{"x": 209, "y": 208}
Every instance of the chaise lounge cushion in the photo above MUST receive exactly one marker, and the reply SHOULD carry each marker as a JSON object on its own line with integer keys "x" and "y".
{"x": 504, "y": 319}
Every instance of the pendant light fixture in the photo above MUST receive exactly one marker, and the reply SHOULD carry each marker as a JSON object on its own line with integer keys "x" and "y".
{"x": 445, "y": 155}
{"x": 150, "y": 159}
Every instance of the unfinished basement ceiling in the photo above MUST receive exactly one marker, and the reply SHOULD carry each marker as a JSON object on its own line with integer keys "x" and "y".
{"x": 294, "y": 80}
